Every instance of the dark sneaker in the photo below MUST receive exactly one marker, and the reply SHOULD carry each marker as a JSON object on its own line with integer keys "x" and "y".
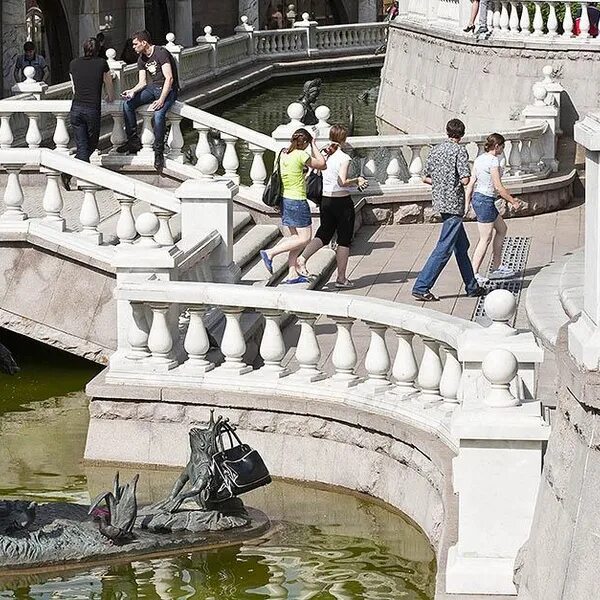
{"x": 425, "y": 297}
{"x": 159, "y": 163}
{"x": 130, "y": 147}
{"x": 479, "y": 291}
{"x": 66, "y": 181}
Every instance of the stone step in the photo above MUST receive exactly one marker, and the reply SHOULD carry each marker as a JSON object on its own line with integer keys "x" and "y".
{"x": 545, "y": 312}
{"x": 571, "y": 284}
{"x": 248, "y": 245}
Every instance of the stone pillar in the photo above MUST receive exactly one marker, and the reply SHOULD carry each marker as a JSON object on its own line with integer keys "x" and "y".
{"x": 136, "y": 17}
{"x": 184, "y": 23}
{"x": 367, "y": 11}
{"x": 249, "y": 8}
{"x": 584, "y": 334}
{"x": 12, "y": 40}
{"x": 207, "y": 206}
{"x": 89, "y": 20}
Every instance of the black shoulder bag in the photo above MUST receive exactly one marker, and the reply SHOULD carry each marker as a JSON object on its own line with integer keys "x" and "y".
{"x": 236, "y": 469}
{"x": 272, "y": 194}
{"x": 314, "y": 185}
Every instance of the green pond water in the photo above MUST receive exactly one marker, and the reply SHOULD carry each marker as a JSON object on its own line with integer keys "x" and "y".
{"x": 264, "y": 108}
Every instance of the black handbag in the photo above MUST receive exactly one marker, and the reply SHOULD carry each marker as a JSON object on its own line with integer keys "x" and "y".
{"x": 314, "y": 186}
{"x": 237, "y": 469}
{"x": 272, "y": 194}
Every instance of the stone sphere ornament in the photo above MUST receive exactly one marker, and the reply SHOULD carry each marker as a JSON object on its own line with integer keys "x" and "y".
{"x": 295, "y": 111}
{"x": 500, "y": 306}
{"x": 147, "y": 226}
{"x": 29, "y": 73}
{"x": 500, "y": 367}
{"x": 207, "y": 165}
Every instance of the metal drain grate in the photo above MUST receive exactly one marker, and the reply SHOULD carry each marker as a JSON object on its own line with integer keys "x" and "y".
{"x": 514, "y": 255}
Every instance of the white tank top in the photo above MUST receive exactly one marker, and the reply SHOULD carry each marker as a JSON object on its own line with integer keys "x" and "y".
{"x": 331, "y": 173}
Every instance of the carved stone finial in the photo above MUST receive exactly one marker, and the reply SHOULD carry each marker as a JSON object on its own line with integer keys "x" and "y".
{"x": 147, "y": 224}
{"x": 500, "y": 306}
{"x": 500, "y": 368}
{"x": 207, "y": 165}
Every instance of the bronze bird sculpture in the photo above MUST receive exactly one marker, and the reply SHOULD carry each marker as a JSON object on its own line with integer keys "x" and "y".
{"x": 117, "y": 524}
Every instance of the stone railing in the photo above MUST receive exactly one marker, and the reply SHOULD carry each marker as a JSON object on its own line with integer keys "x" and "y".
{"x": 532, "y": 21}
{"x": 281, "y": 42}
{"x": 360, "y": 35}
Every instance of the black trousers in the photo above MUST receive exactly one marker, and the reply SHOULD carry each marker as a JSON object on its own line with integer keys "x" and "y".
{"x": 85, "y": 123}
{"x": 337, "y": 215}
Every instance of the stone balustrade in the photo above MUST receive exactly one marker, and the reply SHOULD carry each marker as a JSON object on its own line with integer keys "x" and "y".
{"x": 536, "y": 22}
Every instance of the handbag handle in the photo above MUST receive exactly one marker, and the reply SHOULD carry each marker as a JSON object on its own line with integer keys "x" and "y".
{"x": 230, "y": 430}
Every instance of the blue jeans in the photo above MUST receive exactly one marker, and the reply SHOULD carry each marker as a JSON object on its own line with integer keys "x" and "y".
{"x": 453, "y": 238}
{"x": 85, "y": 124}
{"x": 146, "y": 96}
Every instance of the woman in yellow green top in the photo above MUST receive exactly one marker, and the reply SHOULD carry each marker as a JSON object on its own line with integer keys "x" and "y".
{"x": 295, "y": 212}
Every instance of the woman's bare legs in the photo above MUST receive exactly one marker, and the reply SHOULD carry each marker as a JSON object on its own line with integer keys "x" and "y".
{"x": 294, "y": 244}
{"x": 499, "y": 235}
{"x": 341, "y": 255}
{"x": 314, "y": 245}
{"x": 486, "y": 231}
{"x": 474, "y": 11}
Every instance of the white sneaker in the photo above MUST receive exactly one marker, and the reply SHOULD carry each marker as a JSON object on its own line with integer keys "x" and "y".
{"x": 481, "y": 280}
{"x": 502, "y": 273}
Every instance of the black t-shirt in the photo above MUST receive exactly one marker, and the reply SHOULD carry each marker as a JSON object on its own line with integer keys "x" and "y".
{"x": 153, "y": 66}
{"x": 88, "y": 74}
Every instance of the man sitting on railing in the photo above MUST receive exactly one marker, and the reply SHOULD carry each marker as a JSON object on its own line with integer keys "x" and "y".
{"x": 158, "y": 86}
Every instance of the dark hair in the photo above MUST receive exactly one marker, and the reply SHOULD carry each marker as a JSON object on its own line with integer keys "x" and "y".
{"x": 493, "y": 140}
{"x": 299, "y": 137}
{"x": 100, "y": 38}
{"x": 455, "y": 129}
{"x": 28, "y": 46}
{"x": 338, "y": 133}
{"x": 90, "y": 48}
{"x": 142, "y": 36}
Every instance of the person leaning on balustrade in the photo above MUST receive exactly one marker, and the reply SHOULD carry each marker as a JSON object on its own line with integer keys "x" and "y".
{"x": 88, "y": 73}
{"x": 474, "y": 10}
{"x": 295, "y": 211}
{"x": 336, "y": 209}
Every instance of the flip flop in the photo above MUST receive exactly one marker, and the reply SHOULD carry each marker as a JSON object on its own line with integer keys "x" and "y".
{"x": 344, "y": 285}
{"x": 299, "y": 279}
{"x": 268, "y": 261}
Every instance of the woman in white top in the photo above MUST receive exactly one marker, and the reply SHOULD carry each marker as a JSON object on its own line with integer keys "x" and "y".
{"x": 487, "y": 184}
{"x": 337, "y": 208}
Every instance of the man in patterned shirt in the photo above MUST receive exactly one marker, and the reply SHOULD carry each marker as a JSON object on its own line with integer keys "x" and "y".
{"x": 448, "y": 172}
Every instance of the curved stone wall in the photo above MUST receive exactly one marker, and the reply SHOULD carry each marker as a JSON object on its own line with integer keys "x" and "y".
{"x": 314, "y": 441}
{"x": 431, "y": 76}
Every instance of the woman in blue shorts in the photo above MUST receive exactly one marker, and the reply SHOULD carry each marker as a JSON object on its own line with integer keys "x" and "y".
{"x": 485, "y": 187}
{"x": 295, "y": 211}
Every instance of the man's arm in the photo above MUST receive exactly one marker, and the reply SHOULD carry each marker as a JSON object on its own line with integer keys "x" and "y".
{"x": 167, "y": 86}
{"x": 108, "y": 86}
{"x": 141, "y": 84}
{"x": 18, "y": 72}
{"x": 45, "y": 70}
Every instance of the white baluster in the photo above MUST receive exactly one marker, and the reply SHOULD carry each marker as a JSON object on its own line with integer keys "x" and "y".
{"x": 126, "y": 231}
{"x": 258, "y": 171}
{"x": 496, "y": 16}
{"x": 525, "y": 20}
{"x": 584, "y": 23}
{"x": 61, "y": 134}
{"x": 514, "y": 18}
{"x": 6, "y": 134}
{"x": 430, "y": 371}
{"x": 552, "y": 24}
{"x": 344, "y": 355}
{"x": 504, "y": 20}
{"x": 33, "y": 136}
{"x": 370, "y": 169}
{"x": 536, "y": 154}
{"x": 175, "y": 138}
{"x": 525, "y": 156}
{"x": 117, "y": 136}
{"x": 137, "y": 335}
{"x": 451, "y": 375}
{"x": 147, "y": 137}
{"x": 377, "y": 360}
{"x": 164, "y": 235}
{"x": 202, "y": 146}
{"x": 13, "y": 196}
{"x": 272, "y": 347}
{"x": 231, "y": 162}
{"x": 308, "y": 352}
{"x": 89, "y": 216}
{"x": 52, "y": 202}
{"x": 405, "y": 368}
{"x": 393, "y": 171}
{"x": 416, "y": 165}
{"x": 233, "y": 345}
{"x": 197, "y": 344}
{"x": 538, "y": 21}
{"x": 568, "y": 22}
{"x": 147, "y": 226}
{"x": 160, "y": 340}
{"x": 514, "y": 158}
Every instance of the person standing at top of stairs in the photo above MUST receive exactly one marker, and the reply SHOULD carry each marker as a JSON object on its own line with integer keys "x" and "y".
{"x": 158, "y": 85}
{"x": 88, "y": 73}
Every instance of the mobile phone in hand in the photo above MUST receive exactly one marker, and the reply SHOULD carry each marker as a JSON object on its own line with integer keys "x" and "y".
{"x": 363, "y": 187}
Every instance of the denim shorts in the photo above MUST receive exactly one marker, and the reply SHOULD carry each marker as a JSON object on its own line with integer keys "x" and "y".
{"x": 295, "y": 213}
{"x": 485, "y": 208}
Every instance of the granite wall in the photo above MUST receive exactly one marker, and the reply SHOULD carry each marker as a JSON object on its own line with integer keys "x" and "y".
{"x": 561, "y": 560}
{"x": 429, "y": 77}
